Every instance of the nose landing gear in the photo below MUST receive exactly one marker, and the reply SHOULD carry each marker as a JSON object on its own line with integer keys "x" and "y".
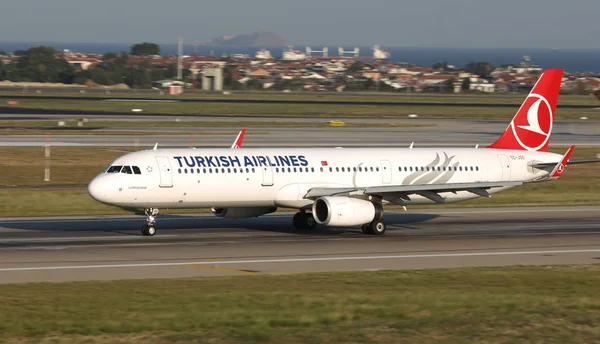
{"x": 148, "y": 229}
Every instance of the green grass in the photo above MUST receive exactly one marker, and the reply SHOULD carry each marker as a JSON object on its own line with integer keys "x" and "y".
{"x": 523, "y": 304}
{"x": 326, "y": 111}
{"x": 73, "y": 167}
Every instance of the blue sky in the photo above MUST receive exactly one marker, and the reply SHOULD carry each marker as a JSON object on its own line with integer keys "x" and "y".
{"x": 417, "y": 23}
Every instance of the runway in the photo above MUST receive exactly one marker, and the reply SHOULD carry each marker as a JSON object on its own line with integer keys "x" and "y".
{"x": 421, "y": 131}
{"x": 104, "y": 248}
{"x": 395, "y": 102}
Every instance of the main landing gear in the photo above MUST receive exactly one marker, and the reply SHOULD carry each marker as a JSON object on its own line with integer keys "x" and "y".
{"x": 374, "y": 228}
{"x": 148, "y": 229}
{"x": 304, "y": 220}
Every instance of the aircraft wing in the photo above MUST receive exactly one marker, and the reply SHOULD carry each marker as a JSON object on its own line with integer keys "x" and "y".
{"x": 397, "y": 193}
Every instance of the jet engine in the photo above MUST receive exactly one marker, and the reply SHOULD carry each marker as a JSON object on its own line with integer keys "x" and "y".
{"x": 242, "y": 212}
{"x": 345, "y": 211}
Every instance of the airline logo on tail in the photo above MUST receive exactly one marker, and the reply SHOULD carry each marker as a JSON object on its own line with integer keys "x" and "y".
{"x": 533, "y": 131}
{"x": 531, "y": 127}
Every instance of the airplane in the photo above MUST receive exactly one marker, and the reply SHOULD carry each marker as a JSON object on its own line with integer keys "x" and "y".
{"x": 337, "y": 186}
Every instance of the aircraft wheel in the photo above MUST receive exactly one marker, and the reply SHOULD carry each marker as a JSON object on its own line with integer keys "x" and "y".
{"x": 309, "y": 221}
{"x": 148, "y": 230}
{"x": 297, "y": 221}
{"x": 377, "y": 228}
{"x": 365, "y": 228}
{"x": 304, "y": 221}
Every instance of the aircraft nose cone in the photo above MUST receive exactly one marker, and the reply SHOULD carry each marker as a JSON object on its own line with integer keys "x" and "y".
{"x": 97, "y": 190}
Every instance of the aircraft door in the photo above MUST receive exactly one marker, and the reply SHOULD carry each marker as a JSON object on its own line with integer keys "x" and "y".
{"x": 267, "y": 176}
{"x": 164, "y": 168}
{"x": 386, "y": 171}
{"x": 505, "y": 165}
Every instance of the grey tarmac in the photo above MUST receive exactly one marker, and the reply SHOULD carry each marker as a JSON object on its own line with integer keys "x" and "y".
{"x": 104, "y": 248}
{"x": 433, "y": 133}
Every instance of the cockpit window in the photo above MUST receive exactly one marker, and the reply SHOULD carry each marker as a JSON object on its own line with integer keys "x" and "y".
{"x": 127, "y": 170}
{"x": 114, "y": 169}
{"x": 136, "y": 170}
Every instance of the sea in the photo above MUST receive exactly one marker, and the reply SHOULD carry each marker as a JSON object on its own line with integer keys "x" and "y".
{"x": 572, "y": 60}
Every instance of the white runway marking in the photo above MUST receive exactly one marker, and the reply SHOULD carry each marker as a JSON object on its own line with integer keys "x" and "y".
{"x": 298, "y": 260}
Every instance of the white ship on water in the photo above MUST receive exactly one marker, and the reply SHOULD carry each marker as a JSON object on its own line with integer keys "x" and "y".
{"x": 293, "y": 55}
{"x": 263, "y": 54}
{"x": 380, "y": 54}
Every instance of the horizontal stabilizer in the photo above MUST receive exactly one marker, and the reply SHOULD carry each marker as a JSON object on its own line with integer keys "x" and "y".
{"x": 576, "y": 162}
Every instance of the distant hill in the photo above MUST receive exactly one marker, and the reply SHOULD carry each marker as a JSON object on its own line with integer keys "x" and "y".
{"x": 258, "y": 39}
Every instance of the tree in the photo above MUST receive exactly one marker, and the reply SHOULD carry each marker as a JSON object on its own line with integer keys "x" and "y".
{"x": 109, "y": 56}
{"x": 466, "y": 84}
{"x": 440, "y": 65}
{"x": 357, "y": 66}
{"x": 145, "y": 49}
{"x": 450, "y": 85}
{"x": 483, "y": 69}
{"x": 40, "y": 64}
{"x": 254, "y": 84}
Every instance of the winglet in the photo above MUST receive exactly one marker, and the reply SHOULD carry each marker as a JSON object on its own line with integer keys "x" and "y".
{"x": 155, "y": 146}
{"x": 238, "y": 140}
{"x": 560, "y": 167}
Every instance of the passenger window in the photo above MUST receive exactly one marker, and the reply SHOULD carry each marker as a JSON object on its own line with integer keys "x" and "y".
{"x": 127, "y": 170}
{"x": 312, "y": 169}
{"x": 321, "y": 169}
{"x": 136, "y": 170}
{"x": 476, "y": 168}
{"x": 179, "y": 170}
{"x": 185, "y": 170}
{"x": 197, "y": 170}
{"x": 114, "y": 169}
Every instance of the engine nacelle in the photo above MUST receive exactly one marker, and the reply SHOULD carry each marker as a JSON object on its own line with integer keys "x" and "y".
{"x": 345, "y": 211}
{"x": 242, "y": 212}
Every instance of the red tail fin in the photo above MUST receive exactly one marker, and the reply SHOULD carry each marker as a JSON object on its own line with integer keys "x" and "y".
{"x": 531, "y": 127}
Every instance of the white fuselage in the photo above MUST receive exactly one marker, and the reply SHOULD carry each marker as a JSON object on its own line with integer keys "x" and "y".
{"x": 252, "y": 177}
